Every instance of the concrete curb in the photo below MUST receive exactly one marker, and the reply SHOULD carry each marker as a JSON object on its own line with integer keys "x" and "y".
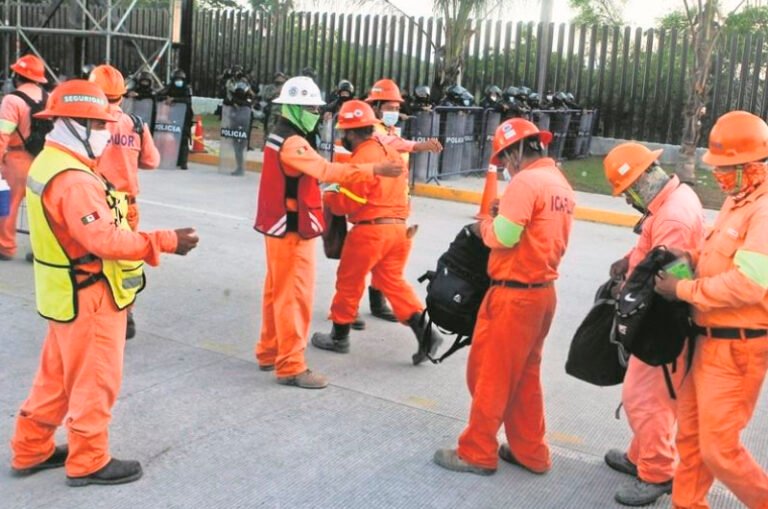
{"x": 439, "y": 192}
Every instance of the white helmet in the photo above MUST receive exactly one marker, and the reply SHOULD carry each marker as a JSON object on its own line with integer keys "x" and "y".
{"x": 301, "y": 91}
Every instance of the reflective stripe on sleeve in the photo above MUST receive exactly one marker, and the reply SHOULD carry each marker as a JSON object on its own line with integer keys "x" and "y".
{"x": 753, "y": 265}
{"x": 507, "y": 232}
{"x": 7, "y": 127}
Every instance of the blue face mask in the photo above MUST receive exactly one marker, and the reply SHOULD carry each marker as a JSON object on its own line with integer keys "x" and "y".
{"x": 179, "y": 83}
{"x": 390, "y": 118}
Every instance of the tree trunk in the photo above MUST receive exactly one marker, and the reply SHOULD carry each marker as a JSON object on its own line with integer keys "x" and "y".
{"x": 705, "y": 33}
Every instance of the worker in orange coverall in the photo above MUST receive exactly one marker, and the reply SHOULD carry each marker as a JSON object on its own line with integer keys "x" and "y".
{"x": 380, "y": 241}
{"x": 385, "y": 99}
{"x": 672, "y": 217}
{"x": 15, "y": 127}
{"x": 730, "y": 310}
{"x": 290, "y": 217}
{"x": 528, "y": 238}
{"x": 88, "y": 269}
{"x": 130, "y": 147}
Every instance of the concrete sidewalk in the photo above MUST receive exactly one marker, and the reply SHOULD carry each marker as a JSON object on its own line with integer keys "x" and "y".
{"x": 212, "y": 431}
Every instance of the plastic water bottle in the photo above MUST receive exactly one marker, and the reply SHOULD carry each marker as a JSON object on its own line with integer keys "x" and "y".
{"x": 5, "y": 198}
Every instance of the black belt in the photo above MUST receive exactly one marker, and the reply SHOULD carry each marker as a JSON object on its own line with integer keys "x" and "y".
{"x": 731, "y": 333}
{"x": 383, "y": 220}
{"x": 517, "y": 284}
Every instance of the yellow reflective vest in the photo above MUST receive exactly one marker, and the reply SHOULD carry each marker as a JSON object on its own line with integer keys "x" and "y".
{"x": 56, "y": 284}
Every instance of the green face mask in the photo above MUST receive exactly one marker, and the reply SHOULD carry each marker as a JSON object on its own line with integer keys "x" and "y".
{"x": 300, "y": 117}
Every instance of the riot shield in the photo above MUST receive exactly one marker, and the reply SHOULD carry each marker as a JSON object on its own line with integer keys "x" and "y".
{"x": 471, "y": 153}
{"x": 143, "y": 108}
{"x": 424, "y": 125}
{"x": 492, "y": 121}
{"x": 453, "y": 145}
{"x": 234, "y": 133}
{"x": 169, "y": 122}
{"x": 325, "y": 146}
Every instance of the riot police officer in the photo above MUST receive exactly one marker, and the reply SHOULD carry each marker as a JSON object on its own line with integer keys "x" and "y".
{"x": 178, "y": 90}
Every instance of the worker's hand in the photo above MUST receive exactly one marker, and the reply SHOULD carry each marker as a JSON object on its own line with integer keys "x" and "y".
{"x": 666, "y": 285}
{"x": 495, "y": 208}
{"x": 619, "y": 269}
{"x": 430, "y": 145}
{"x": 679, "y": 253}
{"x": 388, "y": 168}
{"x": 187, "y": 240}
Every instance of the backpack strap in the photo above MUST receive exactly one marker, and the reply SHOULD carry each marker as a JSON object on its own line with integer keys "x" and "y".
{"x": 138, "y": 123}
{"x": 458, "y": 344}
{"x": 32, "y": 105}
{"x": 668, "y": 379}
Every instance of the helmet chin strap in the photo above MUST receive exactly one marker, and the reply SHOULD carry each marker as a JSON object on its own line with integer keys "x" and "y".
{"x": 86, "y": 143}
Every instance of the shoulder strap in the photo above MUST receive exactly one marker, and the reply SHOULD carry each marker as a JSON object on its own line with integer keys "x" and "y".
{"x": 30, "y": 102}
{"x": 138, "y": 123}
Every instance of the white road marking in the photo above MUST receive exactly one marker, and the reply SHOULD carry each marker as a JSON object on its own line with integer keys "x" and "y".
{"x": 194, "y": 210}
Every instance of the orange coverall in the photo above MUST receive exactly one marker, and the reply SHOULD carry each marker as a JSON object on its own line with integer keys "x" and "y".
{"x": 126, "y": 152}
{"x": 81, "y": 363}
{"x": 676, "y": 220}
{"x": 381, "y": 249}
{"x": 14, "y": 116}
{"x": 503, "y": 369}
{"x": 290, "y": 280}
{"x": 718, "y": 397}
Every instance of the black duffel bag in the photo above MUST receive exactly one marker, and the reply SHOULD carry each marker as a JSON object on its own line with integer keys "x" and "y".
{"x": 593, "y": 357}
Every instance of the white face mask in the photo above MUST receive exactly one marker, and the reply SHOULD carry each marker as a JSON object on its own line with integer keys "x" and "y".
{"x": 390, "y": 118}
{"x": 63, "y": 135}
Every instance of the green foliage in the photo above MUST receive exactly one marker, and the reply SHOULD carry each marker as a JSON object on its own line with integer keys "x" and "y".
{"x": 602, "y": 12}
{"x": 751, "y": 19}
{"x": 675, "y": 19}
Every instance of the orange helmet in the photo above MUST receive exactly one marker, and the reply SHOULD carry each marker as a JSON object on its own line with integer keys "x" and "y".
{"x": 737, "y": 137}
{"x": 513, "y": 130}
{"x": 77, "y": 99}
{"x": 31, "y": 68}
{"x": 384, "y": 90}
{"x": 354, "y": 114}
{"x": 626, "y": 162}
{"x": 109, "y": 79}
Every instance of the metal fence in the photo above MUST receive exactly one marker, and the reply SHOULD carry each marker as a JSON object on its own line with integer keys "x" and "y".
{"x": 637, "y": 78}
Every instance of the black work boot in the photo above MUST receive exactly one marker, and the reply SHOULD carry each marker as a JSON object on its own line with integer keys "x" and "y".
{"x": 115, "y": 472}
{"x": 427, "y": 337}
{"x": 358, "y": 324}
{"x": 56, "y": 460}
{"x": 130, "y": 327}
{"x": 379, "y": 306}
{"x": 336, "y": 341}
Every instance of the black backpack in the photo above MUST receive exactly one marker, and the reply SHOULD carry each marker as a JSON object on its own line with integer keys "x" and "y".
{"x": 39, "y": 127}
{"x": 593, "y": 356}
{"x": 456, "y": 289}
{"x": 649, "y": 327}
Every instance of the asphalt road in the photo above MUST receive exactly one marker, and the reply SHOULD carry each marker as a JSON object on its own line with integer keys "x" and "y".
{"x": 212, "y": 431}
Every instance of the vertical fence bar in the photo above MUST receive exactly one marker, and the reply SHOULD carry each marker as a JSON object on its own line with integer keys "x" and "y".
{"x": 731, "y": 71}
{"x": 505, "y": 52}
{"x": 591, "y": 65}
{"x": 756, "y": 73}
{"x": 402, "y": 71}
{"x": 528, "y": 47}
{"x": 390, "y": 59}
{"x": 744, "y": 70}
{"x": 668, "y": 85}
{"x": 621, "y": 105}
{"x": 680, "y": 99}
{"x": 371, "y": 45}
{"x": 569, "y": 58}
{"x": 631, "y": 125}
{"x": 645, "y": 84}
{"x": 518, "y": 44}
{"x": 606, "y": 112}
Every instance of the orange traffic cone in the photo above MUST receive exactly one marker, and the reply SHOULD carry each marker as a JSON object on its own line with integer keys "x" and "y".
{"x": 197, "y": 135}
{"x": 490, "y": 192}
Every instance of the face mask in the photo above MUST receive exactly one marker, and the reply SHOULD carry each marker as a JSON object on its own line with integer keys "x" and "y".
{"x": 72, "y": 135}
{"x": 346, "y": 143}
{"x": 179, "y": 83}
{"x": 390, "y": 118}
{"x": 742, "y": 180}
{"x": 301, "y": 118}
{"x": 99, "y": 141}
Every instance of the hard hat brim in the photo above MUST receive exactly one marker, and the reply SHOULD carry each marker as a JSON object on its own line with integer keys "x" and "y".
{"x": 730, "y": 160}
{"x": 298, "y": 102}
{"x": 25, "y": 72}
{"x": 48, "y": 114}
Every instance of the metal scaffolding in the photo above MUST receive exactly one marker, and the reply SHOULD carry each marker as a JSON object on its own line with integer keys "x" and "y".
{"x": 101, "y": 22}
